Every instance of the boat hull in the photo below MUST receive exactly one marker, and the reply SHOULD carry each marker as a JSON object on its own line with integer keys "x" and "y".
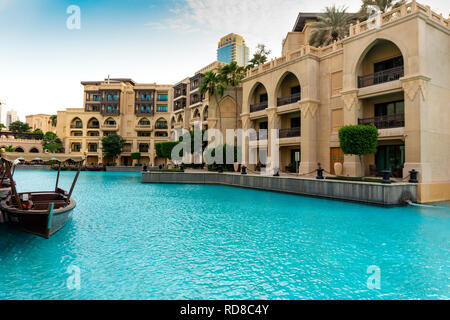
{"x": 37, "y": 222}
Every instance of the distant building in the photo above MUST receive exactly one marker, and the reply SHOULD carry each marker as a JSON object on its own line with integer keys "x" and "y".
{"x": 40, "y": 121}
{"x": 11, "y": 116}
{"x": 232, "y": 47}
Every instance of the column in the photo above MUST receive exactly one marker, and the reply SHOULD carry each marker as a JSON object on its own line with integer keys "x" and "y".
{"x": 418, "y": 137}
{"x": 352, "y": 112}
{"x": 309, "y": 135}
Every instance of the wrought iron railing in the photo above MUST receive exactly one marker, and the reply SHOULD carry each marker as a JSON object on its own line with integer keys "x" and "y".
{"x": 289, "y": 99}
{"x": 385, "y": 122}
{"x": 261, "y": 135}
{"x": 289, "y": 132}
{"x": 380, "y": 77}
{"x": 258, "y": 106}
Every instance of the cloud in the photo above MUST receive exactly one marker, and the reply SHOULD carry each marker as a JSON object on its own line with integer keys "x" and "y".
{"x": 265, "y": 21}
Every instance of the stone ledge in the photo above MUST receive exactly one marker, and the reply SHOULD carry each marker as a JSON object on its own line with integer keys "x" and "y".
{"x": 364, "y": 192}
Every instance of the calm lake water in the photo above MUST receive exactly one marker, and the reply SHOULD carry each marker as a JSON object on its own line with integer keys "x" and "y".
{"x": 129, "y": 240}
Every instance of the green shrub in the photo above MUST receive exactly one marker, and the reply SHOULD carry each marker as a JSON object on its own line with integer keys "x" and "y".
{"x": 164, "y": 149}
{"x": 358, "y": 139}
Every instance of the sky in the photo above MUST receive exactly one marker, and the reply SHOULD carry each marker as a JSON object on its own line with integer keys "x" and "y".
{"x": 42, "y": 61}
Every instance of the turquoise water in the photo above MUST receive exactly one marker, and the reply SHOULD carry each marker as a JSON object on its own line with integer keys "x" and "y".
{"x": 136, "y": 241}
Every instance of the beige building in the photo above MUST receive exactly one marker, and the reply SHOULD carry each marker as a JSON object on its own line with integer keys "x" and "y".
{"x": 192, "y": 109}
{"x": 40, "y": 121}
{"x": 140, "y": 113}
{"x": 394, "y": 75}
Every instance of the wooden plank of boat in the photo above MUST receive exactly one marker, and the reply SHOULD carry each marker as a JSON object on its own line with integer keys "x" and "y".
{"x": 42, "y": 213}
{"x": 40, "y": 221}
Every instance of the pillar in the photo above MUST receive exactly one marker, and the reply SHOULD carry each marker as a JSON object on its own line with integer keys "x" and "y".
{"x": 309, "y": 110}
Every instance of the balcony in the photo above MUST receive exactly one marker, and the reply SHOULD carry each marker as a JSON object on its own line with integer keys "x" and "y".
{"x": 258, "y": 136}
{"x": 149, "y": 113}
{"x": 161, "y": 126}
{"x": 110, "y": 127}
{"x": 76, "y": 126}
{"x": 385, "y": 122}
{"x": 288, "y": 99}
{"x": 179, "y": 104}
{"x": 143, "y": 128}
{"x": 380, "y": 77}
{"x": 290, "y": 133}
{"x": 259, "y": 106}
{"x": 93, "y": 126}
{"x": 110, "y": 112}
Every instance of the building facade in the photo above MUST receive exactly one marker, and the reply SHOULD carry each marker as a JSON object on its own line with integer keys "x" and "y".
{"x": 140, "y": 113}
{"x": 40, "y": 121}
{"x": 232, "y": 47}
{"x": 389, "y": 74}
{"x": 11, "y": 116}
{"x": 192, "y": 109}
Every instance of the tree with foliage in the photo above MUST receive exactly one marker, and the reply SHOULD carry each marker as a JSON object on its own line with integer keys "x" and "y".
{"x": 52, "y": 143}
{"x": 358, "y": 140}
{"x": 10, "y": 149}
{"x": 136, "y": 156}
{"x": 38, "y": 132}
{"x": 164, "y": 149}
{"x": 260, "y": 56}
{"x": 368, "y": 7}
{"x": 2, "y": 126}
{"x": 54, "y": 120}
{"x": 225, "y": 147}
{"x": 19, "y": 127}
{"x": 332, "y": 25}
{"x": 112, "y": 145}
{"x": 232, "y": 75}
{"x": 213, "y": 84}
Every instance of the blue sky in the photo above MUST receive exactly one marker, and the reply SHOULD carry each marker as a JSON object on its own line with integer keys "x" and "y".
{"x": 42, "y": 62}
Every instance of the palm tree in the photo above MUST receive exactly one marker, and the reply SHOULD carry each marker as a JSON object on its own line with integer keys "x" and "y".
{"x": 10, "y": 149}
{"x": 384, "y": 6}
{"x": 332, "y": 25}
{"x": 212, "y": 84}
{"x": 54, "y": 120}
{"x": 260, "y": 56}
{"x": 232, "y": 75}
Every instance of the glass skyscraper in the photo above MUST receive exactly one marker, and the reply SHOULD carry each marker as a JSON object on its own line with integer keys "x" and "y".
{"x": 232, "y": 48}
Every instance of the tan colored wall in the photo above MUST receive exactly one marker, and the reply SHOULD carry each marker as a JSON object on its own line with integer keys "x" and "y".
{"x": 127, "y": 121}
{"x": 331, "y": 97}
{"x": 40, "y": 121}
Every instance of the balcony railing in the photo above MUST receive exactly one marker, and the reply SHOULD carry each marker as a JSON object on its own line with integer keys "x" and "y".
{"x": 76, "y": 126}
{"x": 110, "y": 127}
{"x": 258, "y": 106}
{"x": 261, "y": 135}
{"x": 385, "y": 122}
{"x": 145, "y": 112}
{"x": 289, "y": 99}
{"x": 161, "y": 126}
{"x": 380, "y": 77}
{"x": 93, "y": 126}
{"x": 290, "y": 133}
{"x": 179, "y": 107}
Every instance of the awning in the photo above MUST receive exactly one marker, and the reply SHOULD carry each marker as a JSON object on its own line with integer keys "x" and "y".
{"x": 60, "y": 157}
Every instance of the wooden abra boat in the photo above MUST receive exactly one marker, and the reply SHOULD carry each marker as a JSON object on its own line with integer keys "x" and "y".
{"x": 45, "y": 212}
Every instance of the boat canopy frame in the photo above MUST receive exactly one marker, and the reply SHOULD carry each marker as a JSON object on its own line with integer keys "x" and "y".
{"x": 12, "y": 157}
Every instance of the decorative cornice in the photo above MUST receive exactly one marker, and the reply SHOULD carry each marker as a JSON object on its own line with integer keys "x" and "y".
{"x": 415, "y": 84}
{"x": 310, "y": 107}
